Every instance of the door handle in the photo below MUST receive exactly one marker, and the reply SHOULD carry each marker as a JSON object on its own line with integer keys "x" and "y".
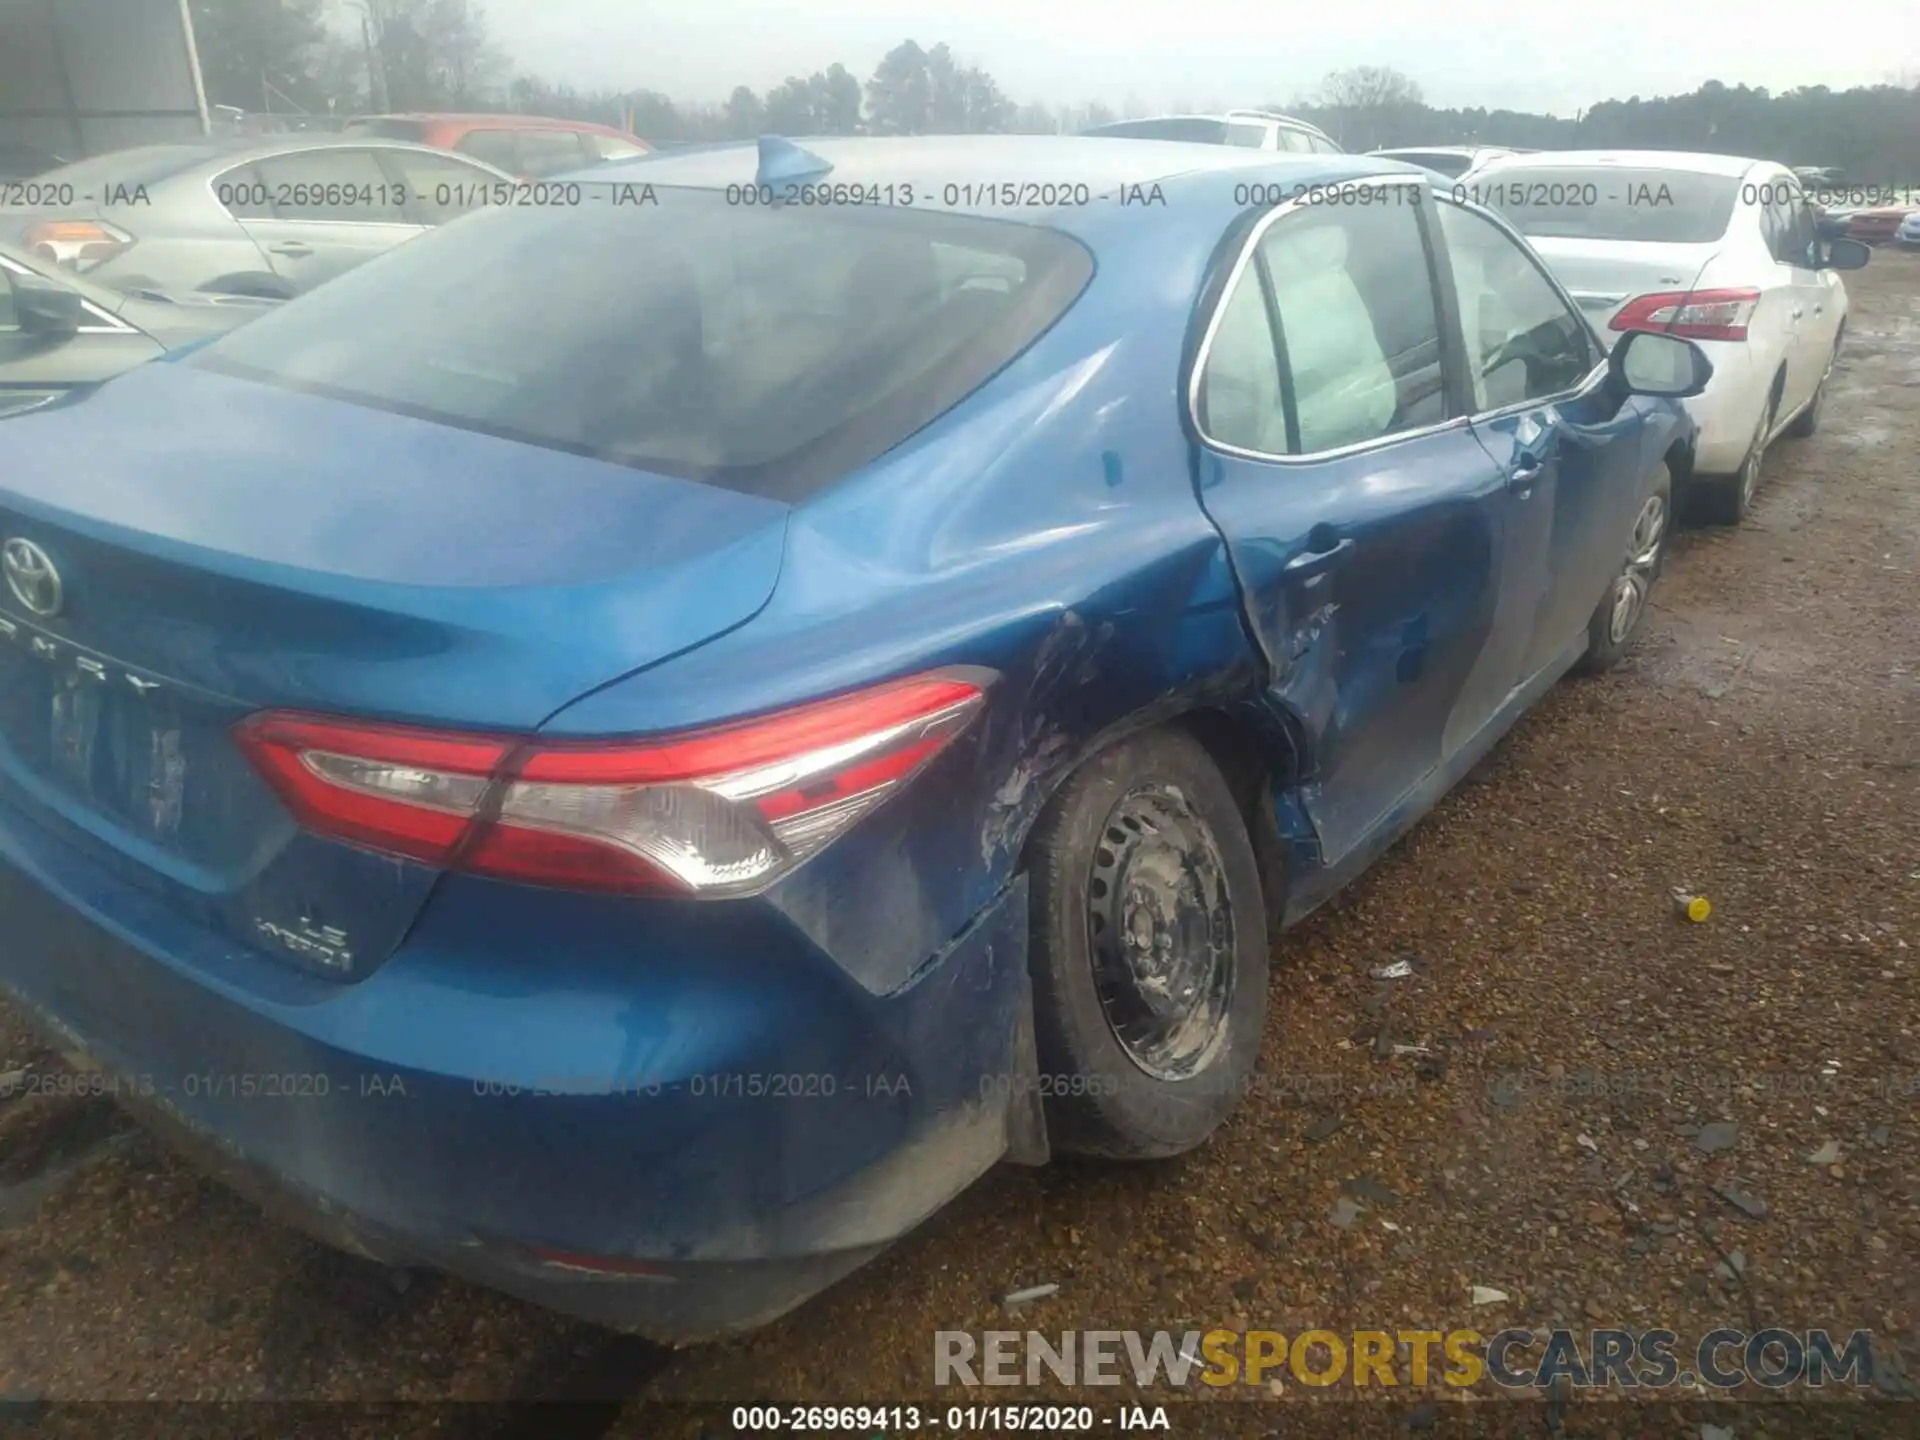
{"x": 296, "y": 248}
{"x": 1309, "y": 563}
{"x": 1798, "y": 311}
{"x": 1525, "y": 474}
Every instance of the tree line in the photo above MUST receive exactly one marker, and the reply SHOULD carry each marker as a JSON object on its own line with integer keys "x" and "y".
{"x": 349, "y": 56}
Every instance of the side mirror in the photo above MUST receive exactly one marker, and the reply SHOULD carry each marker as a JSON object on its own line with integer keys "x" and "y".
{"x": 1847, "y": 255}
{"x": 46, "y": 309}
{"x": 1646, "y": 362}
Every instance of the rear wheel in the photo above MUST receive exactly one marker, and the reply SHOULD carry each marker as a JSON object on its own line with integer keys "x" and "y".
{"x": 1728, "y": 500}
{"x": 1622, "y": 611}
{"x": 1148, "y": 950}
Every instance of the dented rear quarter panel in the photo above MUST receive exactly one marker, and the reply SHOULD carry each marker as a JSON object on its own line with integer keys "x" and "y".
{"x": 1047, "y": 529}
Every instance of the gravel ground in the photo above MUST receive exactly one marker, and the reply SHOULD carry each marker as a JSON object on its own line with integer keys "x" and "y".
{"x": 1600, "y": 1071}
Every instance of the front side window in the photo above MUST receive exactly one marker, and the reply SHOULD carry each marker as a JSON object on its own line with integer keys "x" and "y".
{"x": 767, "y": 350}
{"x": 1295, "y": 142}
{"x": 1358, "y": 323}
{"x": 497, "y": 148}
{"x": 1523, "y": 342}
{"x": 342, "y": 183}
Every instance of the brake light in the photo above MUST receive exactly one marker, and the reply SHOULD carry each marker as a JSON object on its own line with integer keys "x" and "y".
{"x": 77, "y": 244}
{"x": 1691, "y": 314}
{"x": 713, "y": 813}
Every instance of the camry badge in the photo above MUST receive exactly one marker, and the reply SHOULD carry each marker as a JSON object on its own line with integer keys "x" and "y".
{"x": 31, "y": 577}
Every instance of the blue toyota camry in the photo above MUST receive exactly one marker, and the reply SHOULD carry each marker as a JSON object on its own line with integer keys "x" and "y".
{"x": 633, "y": 747}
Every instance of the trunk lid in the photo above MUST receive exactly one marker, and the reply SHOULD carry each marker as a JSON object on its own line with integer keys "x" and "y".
{"x": 1603, "y": 275}
{"x": 224, "y": 547}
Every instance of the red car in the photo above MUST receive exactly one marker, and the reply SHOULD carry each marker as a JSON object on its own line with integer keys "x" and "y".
{"x": 1876, "y": 226}
{"x": 529, "y": 146}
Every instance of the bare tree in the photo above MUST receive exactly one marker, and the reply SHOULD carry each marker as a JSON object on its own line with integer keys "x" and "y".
{"x": 1369, "y": 104}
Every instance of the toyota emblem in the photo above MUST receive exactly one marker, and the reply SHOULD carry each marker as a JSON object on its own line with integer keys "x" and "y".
{"x": 31, "y": 577}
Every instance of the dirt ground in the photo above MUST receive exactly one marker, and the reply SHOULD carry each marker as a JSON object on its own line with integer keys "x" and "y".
{"x": 1588, "y": 1050}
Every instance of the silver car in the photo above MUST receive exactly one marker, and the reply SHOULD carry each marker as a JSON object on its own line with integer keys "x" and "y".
{"x": 270, "y": 218}
{"x": 60, "y": 335}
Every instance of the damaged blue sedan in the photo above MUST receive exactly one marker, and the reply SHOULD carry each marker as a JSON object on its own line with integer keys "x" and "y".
{"x": 632, "y": 749}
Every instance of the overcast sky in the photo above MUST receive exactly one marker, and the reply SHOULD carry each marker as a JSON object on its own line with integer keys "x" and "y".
{"x": 1214, "y": 53}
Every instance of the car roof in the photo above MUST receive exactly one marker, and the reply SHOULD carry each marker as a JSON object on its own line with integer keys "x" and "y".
{"x": 1688, "y": 161}
{"x": 976, "y": 163}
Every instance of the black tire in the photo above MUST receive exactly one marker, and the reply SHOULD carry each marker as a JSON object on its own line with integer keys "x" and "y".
{"x": 1726, "y": 499}
{"x": 1137, "y": 812}
{"x": 1808, "y": 420}
{"x": 1645, "y": 561}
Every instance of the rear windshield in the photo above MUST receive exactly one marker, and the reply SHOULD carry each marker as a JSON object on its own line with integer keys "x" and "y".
{"x": 1444, "y": 161}
{"x": 768, "y": 350}
{"x": 143, "y": 165}
{"x": 1608, "y": 202}
{"x": 386, "y": 129}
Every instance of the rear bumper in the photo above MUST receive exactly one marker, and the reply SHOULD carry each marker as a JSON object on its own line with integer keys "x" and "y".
{"x": 682, "y": 1154}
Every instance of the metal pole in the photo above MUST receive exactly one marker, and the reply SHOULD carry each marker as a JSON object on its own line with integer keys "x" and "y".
{"x": 193, "y": 63}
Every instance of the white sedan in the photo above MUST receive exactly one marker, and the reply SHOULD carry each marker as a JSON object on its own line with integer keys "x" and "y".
{"x": 1724, "y": 251}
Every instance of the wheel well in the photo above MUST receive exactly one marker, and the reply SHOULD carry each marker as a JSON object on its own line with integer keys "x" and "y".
{"x": 1679, "y": 461}
{"x": 1245, "y": 757}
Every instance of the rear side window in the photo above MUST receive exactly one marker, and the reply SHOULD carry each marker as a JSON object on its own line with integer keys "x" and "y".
{"x": 768, "y": 350}
{"x": 497, "y": 147}
{"x": 1358, "y": 324}
{"x": 387, "y": 129}
{"x": 549, "y": 152}
{"x": 1240, "y": 398}
{"x": 1252, "y": 137}
{"x": 1610, "y": 202}
{"x": 342, "y": 184}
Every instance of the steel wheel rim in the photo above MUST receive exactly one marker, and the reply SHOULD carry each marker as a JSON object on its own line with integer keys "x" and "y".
{"x": 1161, "y": 933}
{"x": 1630, "y": 591}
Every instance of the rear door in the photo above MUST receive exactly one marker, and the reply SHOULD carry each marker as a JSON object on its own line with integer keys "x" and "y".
{"x": 327, "y": 210}
{"x": 1566, "y": 447}
{"x": 1363, "y": 522}
{"x": 1813, "y": 315}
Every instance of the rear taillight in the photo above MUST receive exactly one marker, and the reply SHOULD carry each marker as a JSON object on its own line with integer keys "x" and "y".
{"x": 713, "y": 813}
{"x": 1691, "y": 314}
{"x": 77, "y": 244}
